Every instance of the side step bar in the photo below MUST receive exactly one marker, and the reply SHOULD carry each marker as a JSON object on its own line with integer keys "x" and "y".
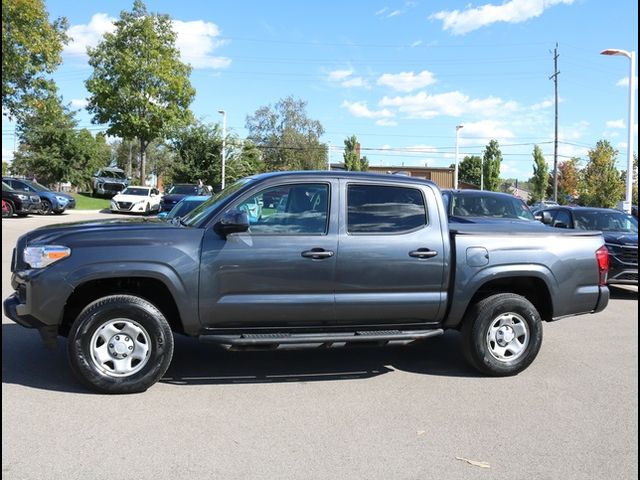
{"x": 255, "y": 339}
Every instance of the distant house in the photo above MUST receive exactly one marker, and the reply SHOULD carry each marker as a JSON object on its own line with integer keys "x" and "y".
{"x": 520, "y": 193}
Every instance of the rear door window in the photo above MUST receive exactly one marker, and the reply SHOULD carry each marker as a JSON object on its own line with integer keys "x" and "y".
{"x": 380, "y": 209}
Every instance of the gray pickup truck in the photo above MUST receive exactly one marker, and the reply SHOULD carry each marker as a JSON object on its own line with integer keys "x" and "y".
{"x": 333, "y": 258}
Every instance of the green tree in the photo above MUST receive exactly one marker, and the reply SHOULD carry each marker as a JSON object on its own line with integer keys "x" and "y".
{"x": 289, "y": 139}
{"x": 540, "y": 179}
{"x": 5, "y": 168}
{"x": 52, "y": 150}
{"x": 568, "y": 178}
{"x": 352, "y": 159}
{"x": 491, "y": 161}
{"x": 469, "y": 169}
{"x": 31, "y": 48}
{"x": 139, "y": 86}
{"x": 600, "y": 184}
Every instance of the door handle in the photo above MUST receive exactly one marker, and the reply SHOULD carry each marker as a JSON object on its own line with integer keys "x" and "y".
{"x": 317, "y": 253}
{"x": 423, "y": 253}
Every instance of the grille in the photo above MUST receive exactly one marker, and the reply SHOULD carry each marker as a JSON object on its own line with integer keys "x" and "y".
{"x": 124, "y": 205}
{"x": 112, "y": 186}
{"x": 627, "y": 276}
{"x": 624, "y": 254}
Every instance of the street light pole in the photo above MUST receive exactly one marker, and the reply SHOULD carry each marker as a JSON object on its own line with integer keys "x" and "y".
{"x": 224, "y": 146}
{"x": 455, "y": 173}
{"x": 628, "y": 200}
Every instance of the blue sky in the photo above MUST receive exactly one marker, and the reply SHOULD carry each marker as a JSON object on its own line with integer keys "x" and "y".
{"x": 400, "y": 75}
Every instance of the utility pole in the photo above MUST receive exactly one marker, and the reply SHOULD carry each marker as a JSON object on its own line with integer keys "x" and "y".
{"x": 329, "y": 156}
{"x": 555, "y": 141}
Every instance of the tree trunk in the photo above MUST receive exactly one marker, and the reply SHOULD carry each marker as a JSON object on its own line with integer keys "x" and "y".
{"x": 143, "y": 159}
{"x": 130, "y": 160}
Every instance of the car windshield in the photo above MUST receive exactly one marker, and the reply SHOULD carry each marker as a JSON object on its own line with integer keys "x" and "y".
{"x": 494, "y": 206}
{"x": 37, "y": 187}
{"x": 111, "y": 174}
{"x": 183, "y": 207}
{"x": 201, "y": 212}
{"x": 143, "y": 192}
{"x": 6, "y": 187}
{"x": 606, "y": 221}
{"x": 182, "y": 190}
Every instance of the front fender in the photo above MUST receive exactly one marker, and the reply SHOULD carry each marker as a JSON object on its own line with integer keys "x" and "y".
{"x": 187, "y": 308}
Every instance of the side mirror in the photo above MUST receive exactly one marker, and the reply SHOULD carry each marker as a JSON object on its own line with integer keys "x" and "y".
{"x": 546, "y": 218}
{"x": 233, "y": 221}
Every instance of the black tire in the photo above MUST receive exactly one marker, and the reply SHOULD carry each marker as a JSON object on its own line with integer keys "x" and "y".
{"x": 119, "y": 312}
{"x": 59, "y": 212}
{"x": 10, "y": 210}
{"x": 480, "y": 327}
{"x": 45, "y": 207}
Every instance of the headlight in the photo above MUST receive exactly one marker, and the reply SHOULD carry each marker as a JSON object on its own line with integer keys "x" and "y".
{"x": 62, "y": 199}
{"x": 139, "y": 202}
{"x": 40, "y": 257}
{"x": 22, "y": 197}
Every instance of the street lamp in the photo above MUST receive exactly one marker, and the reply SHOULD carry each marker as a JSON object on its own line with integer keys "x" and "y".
{"x": 455, "y": 173}
{"x": 224, "y": 145}
{"x": 632, "y": 61}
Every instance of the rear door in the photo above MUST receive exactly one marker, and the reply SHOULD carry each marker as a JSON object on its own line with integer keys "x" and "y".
{"x": 391, "y": 255}
{"x": 281, "y": 272}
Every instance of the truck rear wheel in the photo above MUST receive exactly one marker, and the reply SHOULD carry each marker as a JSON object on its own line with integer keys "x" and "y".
{"x": 120, "y": 344}
{"x": 502, "y": 334}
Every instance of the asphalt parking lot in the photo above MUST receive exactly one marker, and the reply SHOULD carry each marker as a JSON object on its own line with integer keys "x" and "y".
{"x": 396, "y": 413}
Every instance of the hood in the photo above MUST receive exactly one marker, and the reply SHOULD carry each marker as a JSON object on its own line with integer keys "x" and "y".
{"x": 129, "y": 198}
{"x": 621, "y": 238}
{"x": 173, "y": 197}
{"x": 70, "y": 232}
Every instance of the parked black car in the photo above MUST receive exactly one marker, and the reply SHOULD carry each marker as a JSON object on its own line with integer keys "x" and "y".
{"x": 481, "y": 206}
{"x": 177, "y": 192}
{"x": 620, "y": 231}
{"x": 19, "y": 202}
{"x": 50, "y": 200}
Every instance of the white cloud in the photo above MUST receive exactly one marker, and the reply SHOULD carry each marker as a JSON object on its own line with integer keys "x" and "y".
{"x": 361, "y": 110}
{"x": 544, "y": 104}
{"x": 336, "y": 75}
{"x": 395, "y": 13}
{"x": 385, "y": 122}
{"x": 416, "y": 43}
{"x": 381, "y": 11}
{"x": 79, "y": 102}
{"x": 88, "y": 35}
{"x": 481, "y": 132}
{"x": 513, "y": 11}
{"x": 196, "y": 40}
{"x": 624, "y": 82}
{"x": 453, "y": 104}
{"x": 407, "y": 81}
{"x": 573, "y": 132}
{"x": 615, "y": 124}
{"x": 355, "y": 82}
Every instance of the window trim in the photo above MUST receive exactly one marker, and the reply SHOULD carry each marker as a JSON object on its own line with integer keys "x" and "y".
{"x": 287, "y": 234}
{"x": 383, "y": 185}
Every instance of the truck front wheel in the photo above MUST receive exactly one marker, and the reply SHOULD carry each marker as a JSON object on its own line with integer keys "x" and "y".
{"x": 501, "y": 334}
{"x": 120, "y": 344}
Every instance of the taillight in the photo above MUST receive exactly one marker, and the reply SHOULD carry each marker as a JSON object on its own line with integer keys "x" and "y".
{"x": 602, "y": 256}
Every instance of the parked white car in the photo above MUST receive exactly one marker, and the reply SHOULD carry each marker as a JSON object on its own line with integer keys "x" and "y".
{"x": 137, "y": 200}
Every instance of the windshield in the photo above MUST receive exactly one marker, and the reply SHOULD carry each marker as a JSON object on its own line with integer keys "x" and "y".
{"x": 208, "y": 207}
{"x": 37, "y": 187}
{"x": 143, "y": 192}
{"x": 6, "y": 187}
{"x": 111, "y": 174}
{"x": 183, "y": 190}
{"x": 493, "y": 206}
{"x": 606, "y": 221}
{"x": 183, "y": 207}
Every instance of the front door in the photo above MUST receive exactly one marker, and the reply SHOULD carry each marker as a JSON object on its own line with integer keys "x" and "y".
{"x": 391, "y": 257}
{"x": 280, "y": 273}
